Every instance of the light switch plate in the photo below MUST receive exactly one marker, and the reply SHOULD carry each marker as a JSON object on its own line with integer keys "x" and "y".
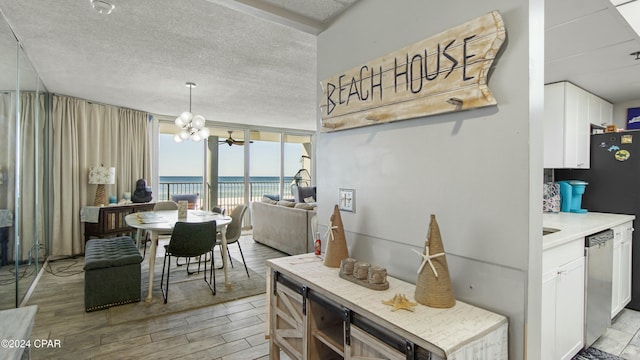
{"x": 347, "y": 200}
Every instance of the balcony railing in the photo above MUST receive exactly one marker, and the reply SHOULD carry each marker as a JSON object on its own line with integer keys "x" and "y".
{"x": 230, "y": 193}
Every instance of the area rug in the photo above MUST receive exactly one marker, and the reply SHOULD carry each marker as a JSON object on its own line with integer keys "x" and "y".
{"x": 595, "y": 354}
{"x": 188, "y": 292}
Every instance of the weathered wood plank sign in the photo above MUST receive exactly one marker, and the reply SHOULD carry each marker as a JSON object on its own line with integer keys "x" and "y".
{"x": 443, "y": 73}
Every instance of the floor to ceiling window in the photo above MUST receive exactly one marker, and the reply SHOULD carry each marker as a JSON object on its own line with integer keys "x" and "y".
{"x": 234, "y": 166}
{"x": 297, "y": 161}
{"x": 181, "y": 169}
{"x": 265, "y": 160}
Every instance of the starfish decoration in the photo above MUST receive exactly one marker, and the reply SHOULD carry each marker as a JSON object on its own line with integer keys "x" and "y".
{"x": 399, "y": 301}
{"x": 426, "y": 258}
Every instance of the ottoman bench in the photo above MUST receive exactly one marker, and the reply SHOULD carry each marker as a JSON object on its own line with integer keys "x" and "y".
{"x": 111, "y": 273}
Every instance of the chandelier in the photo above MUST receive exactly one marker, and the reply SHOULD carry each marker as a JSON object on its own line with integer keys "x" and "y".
{"x": 192, "y": 127}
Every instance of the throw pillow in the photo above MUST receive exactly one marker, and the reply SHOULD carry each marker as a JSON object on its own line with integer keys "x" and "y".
{"x": 309, "y": 199}
{"x": 272, "y": 197}
{"x": 305, "y": 206}
{"x": 267, "y": 200}
{"x": 286, "y": 203}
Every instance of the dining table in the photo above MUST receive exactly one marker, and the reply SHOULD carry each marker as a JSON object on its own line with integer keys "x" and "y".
{"x": 163, "y": 222}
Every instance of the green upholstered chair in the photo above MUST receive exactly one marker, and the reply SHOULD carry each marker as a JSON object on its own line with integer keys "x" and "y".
{"x": 190, "y": 240}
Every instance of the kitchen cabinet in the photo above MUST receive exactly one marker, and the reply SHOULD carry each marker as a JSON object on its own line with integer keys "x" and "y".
{"x": 621, "y": 280}
{"x": 600, "y": 111}
{"x": 563, "y": 300}
{"x": 569, "y": 112}
{"x": 314, "y": 314}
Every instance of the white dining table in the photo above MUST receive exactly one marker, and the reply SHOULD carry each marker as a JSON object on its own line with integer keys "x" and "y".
{"x": 163, "y": 221}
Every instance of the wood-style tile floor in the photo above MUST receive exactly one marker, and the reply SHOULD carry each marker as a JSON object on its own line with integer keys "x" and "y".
{"x": 232, "y": 330}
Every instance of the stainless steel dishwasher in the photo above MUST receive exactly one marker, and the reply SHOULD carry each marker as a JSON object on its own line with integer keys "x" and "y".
{"x": 598, "y": 274}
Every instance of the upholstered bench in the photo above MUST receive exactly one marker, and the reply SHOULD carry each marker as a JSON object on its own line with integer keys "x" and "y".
{"x": 111, "y": 273}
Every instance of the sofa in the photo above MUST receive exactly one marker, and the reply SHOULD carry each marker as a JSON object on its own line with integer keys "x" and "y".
{"x": 281, "y": 227}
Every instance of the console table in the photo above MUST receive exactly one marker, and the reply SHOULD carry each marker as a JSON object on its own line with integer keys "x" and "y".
{"x": 314, "y": 314}
{"x": 105, "y": 221}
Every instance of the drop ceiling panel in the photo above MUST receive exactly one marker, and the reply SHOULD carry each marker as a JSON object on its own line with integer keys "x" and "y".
{"x": 591, "y": 62}
{"x": 558, "y": 12}
{"x": 595, "y": 31}
{"x": 621, "y": 84}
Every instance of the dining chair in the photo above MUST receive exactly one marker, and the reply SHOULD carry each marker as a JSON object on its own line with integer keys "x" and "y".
{"x": 190, "y": 240}
{"x": 233, "y": 233}
{"x": 219, "y": 210}
{"x": 159, "y": 206}
{"x": 192, "y": 199}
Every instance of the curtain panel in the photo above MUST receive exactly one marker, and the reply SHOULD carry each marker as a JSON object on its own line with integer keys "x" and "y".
{"x": 86, "y": 134}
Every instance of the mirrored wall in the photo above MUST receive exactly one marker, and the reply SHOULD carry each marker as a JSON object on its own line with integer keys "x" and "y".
{"x": 22, "y": 148}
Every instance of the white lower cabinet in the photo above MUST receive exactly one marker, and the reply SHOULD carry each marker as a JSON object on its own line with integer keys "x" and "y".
{"x": 563, "y": 300}
{"x": 621, "y": 281}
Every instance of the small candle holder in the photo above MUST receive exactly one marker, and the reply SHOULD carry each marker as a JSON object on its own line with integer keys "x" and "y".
{"x": 361, "y": 270}
{"x": 347, "y": 266}
{"x": 364, "y": 274}
{"x": 377, "y": 275}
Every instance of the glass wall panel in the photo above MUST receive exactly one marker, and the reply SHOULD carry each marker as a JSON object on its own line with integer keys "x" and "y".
{"x": 22, "y": 181}
{"x": 265, "y": 160}
{"x": 226, "y": 168}
{"x": 297, "y": 160}
{"x": 8, "y": 87}
{"x": 181, "y": 169}
{"x": 29, "y": 164}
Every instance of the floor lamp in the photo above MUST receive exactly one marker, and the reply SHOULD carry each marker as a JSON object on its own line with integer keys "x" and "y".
{"x": 101, "y": 176}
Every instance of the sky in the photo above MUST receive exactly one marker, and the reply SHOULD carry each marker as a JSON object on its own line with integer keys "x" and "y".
{"x": 186, "y": 158}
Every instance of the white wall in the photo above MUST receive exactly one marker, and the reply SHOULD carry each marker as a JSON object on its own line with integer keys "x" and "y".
{"x": 620, "y": 112}
{"x": 471, "y": 169}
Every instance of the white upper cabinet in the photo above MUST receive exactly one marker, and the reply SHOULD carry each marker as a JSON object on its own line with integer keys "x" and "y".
{"x": 569, "y": 112}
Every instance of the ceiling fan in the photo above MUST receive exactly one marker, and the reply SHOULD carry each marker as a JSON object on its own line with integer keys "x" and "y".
{"x": 231, "y": 141}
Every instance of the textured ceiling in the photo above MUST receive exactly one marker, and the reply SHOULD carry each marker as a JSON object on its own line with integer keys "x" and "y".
{"x": 255, "y": 60}
{"x": 248, "y": 70}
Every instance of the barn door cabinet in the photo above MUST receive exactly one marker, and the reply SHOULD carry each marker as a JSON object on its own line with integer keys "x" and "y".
{"x": 313, "y": 314}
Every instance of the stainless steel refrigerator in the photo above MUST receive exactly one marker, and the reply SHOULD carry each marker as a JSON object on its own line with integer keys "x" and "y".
{"x": 614, "y": 187}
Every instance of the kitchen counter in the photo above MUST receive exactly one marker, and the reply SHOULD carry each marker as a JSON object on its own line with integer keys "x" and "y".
{"x": 573, "y": 225}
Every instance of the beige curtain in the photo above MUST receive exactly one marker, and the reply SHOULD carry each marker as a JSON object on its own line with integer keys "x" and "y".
{"x": 84, "y": 135}
{"x": 7, "y": 148}
{"x": 32, "y": 116}
{"x": 8, "y": 158}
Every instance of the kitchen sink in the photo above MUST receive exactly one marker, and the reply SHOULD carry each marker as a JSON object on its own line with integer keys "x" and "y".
{"x": 547, "y": 231}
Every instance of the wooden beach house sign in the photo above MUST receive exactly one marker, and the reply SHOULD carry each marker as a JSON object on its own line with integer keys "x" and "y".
{"x": 443, "y": 73}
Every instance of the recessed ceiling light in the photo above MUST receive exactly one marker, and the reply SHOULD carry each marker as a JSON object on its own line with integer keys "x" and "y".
{"x": 102, "y": 7}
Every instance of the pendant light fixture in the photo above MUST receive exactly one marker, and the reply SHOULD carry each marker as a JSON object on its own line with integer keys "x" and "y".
{"x": 192, "y": 127}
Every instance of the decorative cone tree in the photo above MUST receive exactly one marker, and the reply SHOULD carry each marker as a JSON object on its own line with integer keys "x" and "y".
{"x": 433, "y": 287}
{"x": 336, "y": 248}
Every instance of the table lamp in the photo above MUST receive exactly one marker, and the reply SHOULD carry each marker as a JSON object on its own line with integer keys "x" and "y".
{"x": 99, "y": 175}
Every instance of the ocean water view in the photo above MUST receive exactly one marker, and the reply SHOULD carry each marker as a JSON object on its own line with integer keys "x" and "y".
{"x": 228, "y": 186}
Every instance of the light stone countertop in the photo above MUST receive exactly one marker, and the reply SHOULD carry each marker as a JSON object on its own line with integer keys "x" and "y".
{"x": 574, "y": 226}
